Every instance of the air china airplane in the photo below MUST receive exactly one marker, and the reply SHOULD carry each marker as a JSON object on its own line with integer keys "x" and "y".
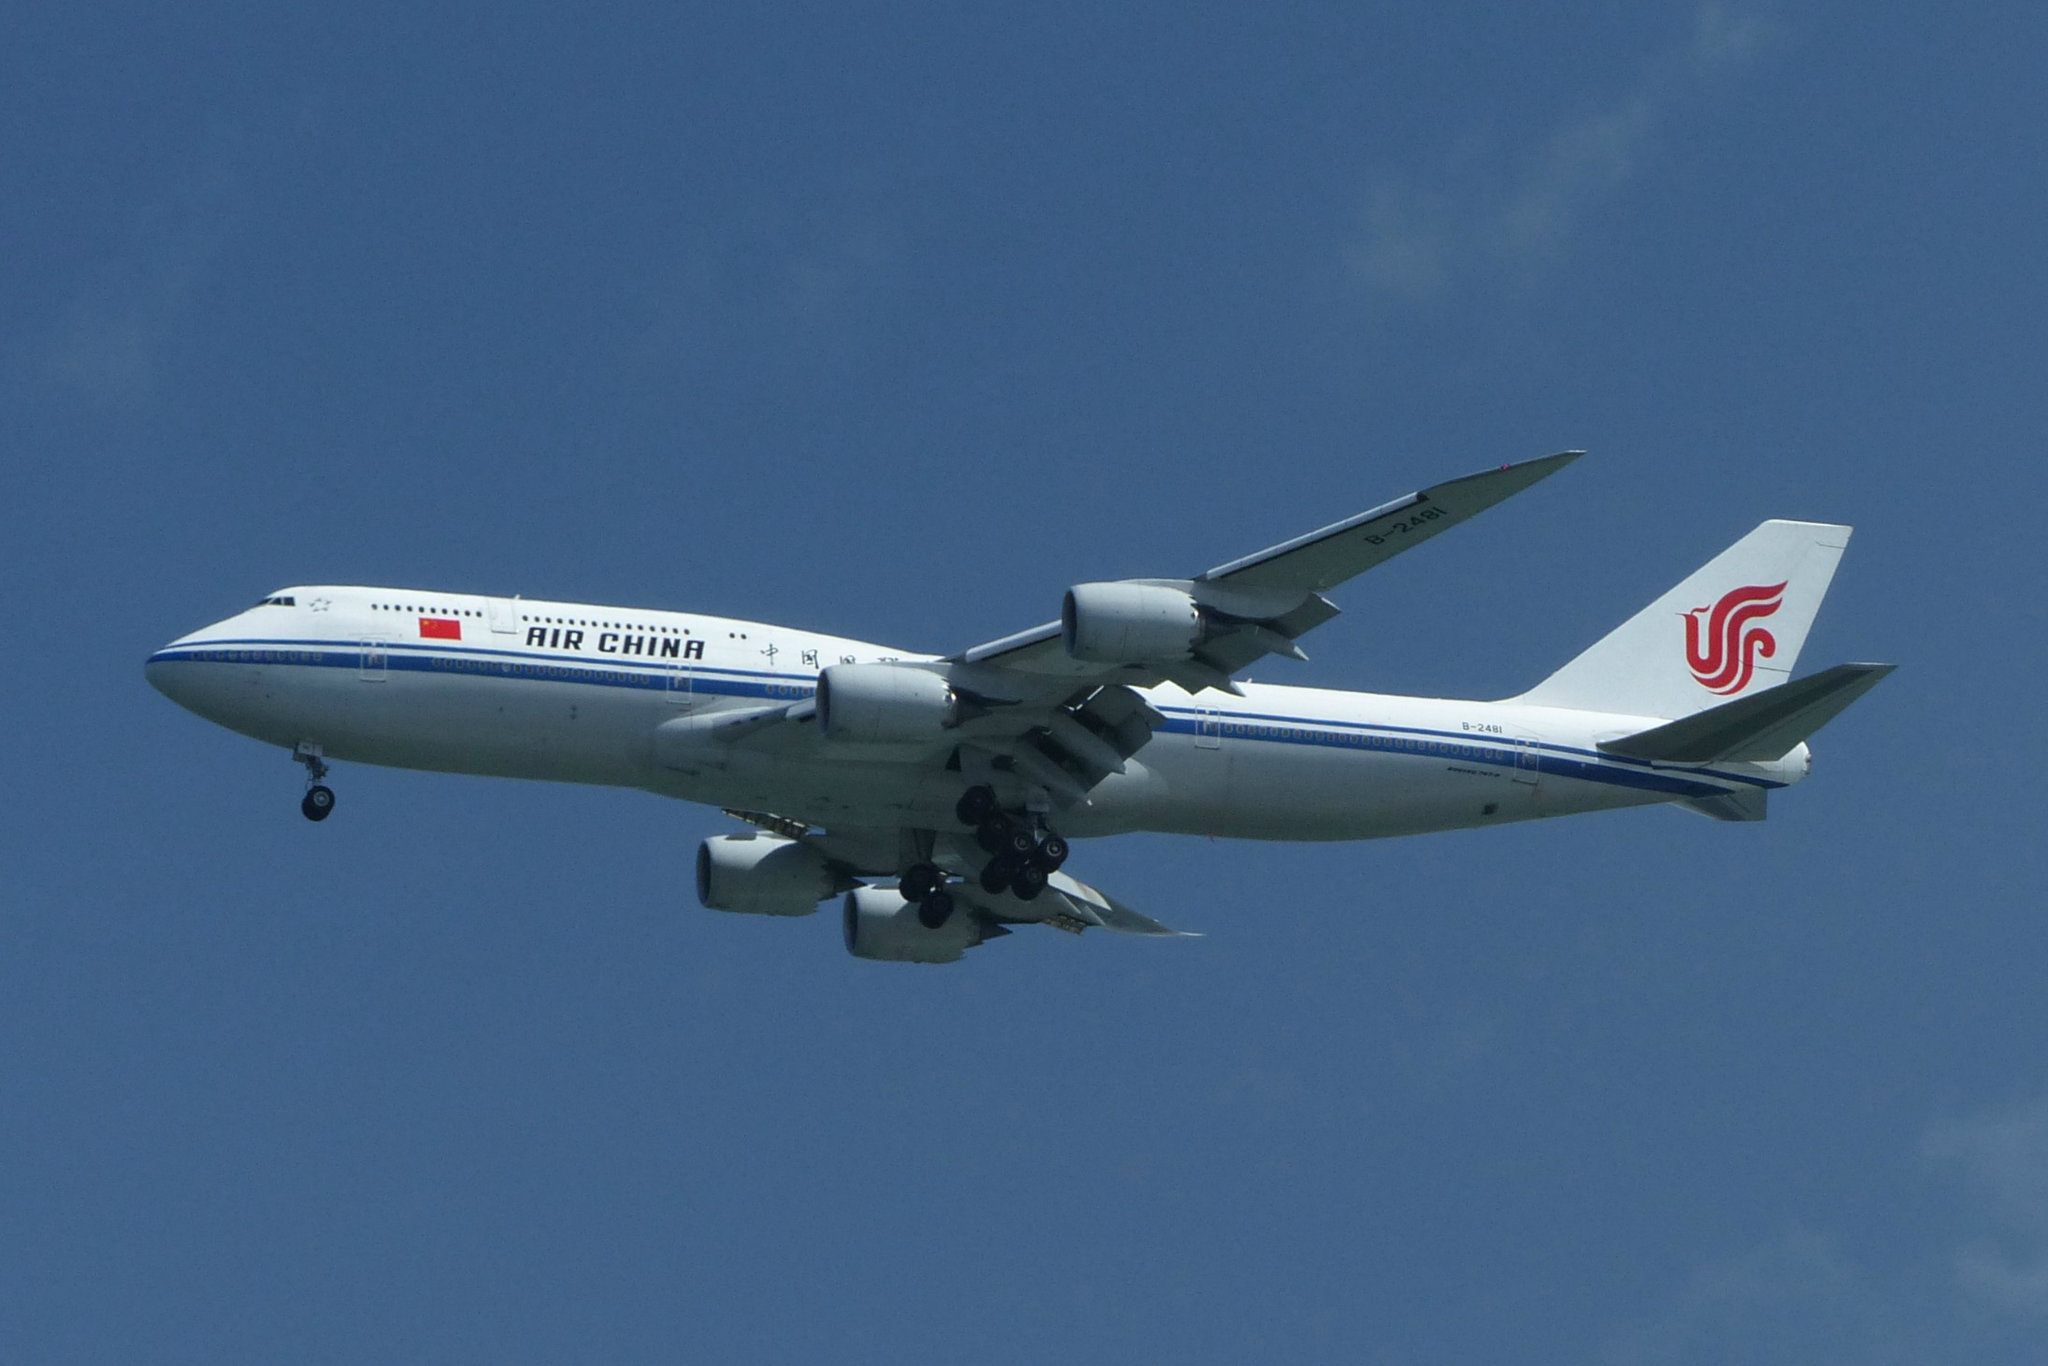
{"x": 938, "y": 792}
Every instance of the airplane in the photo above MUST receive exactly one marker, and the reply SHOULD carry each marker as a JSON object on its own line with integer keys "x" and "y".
{"x": 937, "y": 793}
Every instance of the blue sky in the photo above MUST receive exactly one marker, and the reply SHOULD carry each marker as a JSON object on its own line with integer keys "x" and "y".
{"x": 893, "y": 325}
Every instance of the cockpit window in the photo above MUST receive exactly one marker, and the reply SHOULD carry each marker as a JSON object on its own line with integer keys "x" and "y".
{"x": 281, "y": 601}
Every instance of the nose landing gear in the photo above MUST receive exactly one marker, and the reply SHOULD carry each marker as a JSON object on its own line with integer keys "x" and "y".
{"x": 318, "y": 803}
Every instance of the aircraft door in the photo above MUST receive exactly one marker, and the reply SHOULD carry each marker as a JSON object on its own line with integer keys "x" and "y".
{"x": 1208, "y": 729}
{"x": 503, "y": 614}
{"x": 375, "y": 660}
{"x": 679, "y": 692}
{"x": 1527, "y": 770}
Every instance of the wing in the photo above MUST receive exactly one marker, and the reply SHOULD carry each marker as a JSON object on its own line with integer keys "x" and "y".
{"x": 1049, "y": 713}
{"x": 1262, "y": 603}
{"x": 1067, "y": 903}
{"x": 1036, "y": 720}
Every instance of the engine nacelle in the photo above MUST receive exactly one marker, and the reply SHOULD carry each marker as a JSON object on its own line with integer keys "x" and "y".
{"x": 1129, "y": 623}
{"x": 881, "y": 925}
{"x": 884, "y": 704}
{"x": 762, "y": 875}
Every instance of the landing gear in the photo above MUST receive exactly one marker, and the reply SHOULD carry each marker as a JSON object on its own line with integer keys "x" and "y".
{"x": 1001, "y": 835}
{"x": 1028, "y": 882}
{"x": 318, "y": 803}
{"x": 925, "y": 885}
{"x": 935, "y": 910}
{"x": 976, "y": 804}
{"x": 1024, "y": 874}
{"x": 1021, "y": 858}
{"x": 997, "y": 874}
{"x": 919, "y": 881}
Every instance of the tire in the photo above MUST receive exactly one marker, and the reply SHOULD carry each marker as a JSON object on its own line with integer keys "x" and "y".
{"x": 996, "y": 876}
{"x": 1029, "y": 882}
{"x": 1051, "y": 853}
{"x": 319, "y": 803}
{"x": 919, "y": 881}
{"x": 935, "y": 910}
{"x": 976, "y": 804}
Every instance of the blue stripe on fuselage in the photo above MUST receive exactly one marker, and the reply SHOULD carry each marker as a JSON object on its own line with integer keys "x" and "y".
{"x": 1560, "y": 761}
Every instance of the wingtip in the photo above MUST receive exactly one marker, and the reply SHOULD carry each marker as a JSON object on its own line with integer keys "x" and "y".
{"x": 1549, "y": 464}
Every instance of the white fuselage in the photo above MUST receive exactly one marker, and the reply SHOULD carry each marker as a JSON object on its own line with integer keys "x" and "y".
{"x": 626, "y": 697}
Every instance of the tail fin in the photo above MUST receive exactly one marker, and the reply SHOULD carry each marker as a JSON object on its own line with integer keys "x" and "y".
{"x": 1733, "y": 628}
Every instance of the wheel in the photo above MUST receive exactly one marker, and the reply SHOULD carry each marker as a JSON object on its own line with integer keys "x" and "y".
{"x": 919, "y": 881}
{"x": 976, "y": 805}
{"x": 319, "y": 802}
{"x": 1001, "y": 835}
{"x": 1029, "y": 882}
{"x": 1051, "y": 853}
{"x": 995, "y": 877}
{"x": 935, "y": 910}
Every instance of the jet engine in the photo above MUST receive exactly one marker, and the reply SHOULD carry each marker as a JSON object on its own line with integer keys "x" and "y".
{"x": 1129, "y": 623}
{"x": 881, "y": 925}
{"x": 884, "y": 704}
{"x": 762, "y": 874}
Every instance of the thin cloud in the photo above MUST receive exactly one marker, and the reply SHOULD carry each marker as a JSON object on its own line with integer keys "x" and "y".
{"x": 1805, "y": 1298}
{"x": 797, "y": 280}
{"x": 1723, "y": 34}
{"x": 1409, "y": 241}
{"x": 109, "y": 345}
{"x": 1418, "y": 240}
{"x": 1796, "y": 1299}
{"x": 2002, "y": 1158}
{"x": 1581, "y": 165}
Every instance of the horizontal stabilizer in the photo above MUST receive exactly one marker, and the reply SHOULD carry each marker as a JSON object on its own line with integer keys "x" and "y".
{"x": 1754, "y": 729}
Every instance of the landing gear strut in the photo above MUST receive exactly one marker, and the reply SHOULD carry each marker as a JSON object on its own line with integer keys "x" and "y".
{"x": 318, "y": 802}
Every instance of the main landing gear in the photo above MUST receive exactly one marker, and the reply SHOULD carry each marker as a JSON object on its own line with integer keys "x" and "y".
{"x": 925, "y": 884}
{"x": 318, "y": 803}
{"x": 1020, "y": 858}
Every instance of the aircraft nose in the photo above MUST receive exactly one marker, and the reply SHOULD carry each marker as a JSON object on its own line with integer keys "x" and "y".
{"x": 174, "y": 672}
{"x": 162, "y": 671}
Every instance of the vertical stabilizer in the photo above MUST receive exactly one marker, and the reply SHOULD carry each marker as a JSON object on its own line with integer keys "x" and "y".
{"x": 1732, "y": 628}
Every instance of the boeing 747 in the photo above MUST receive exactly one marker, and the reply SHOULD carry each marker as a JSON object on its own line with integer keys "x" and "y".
{"x": 937, "y": 793}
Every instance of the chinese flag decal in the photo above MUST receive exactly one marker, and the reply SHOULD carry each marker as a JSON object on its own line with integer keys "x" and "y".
{"x": 440, "y": 628}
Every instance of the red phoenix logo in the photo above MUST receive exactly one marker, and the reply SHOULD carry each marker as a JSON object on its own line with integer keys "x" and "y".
{"x": 1725, "y": 660}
